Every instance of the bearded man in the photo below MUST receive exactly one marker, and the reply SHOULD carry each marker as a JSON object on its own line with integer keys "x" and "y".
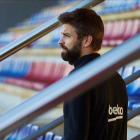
{"x": 100, "y": 113}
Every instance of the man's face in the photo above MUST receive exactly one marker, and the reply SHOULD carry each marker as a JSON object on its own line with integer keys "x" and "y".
{"x": 71, "y": 47}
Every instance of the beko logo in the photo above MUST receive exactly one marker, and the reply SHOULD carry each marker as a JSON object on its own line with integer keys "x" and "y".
{"x": 115, "y": 110}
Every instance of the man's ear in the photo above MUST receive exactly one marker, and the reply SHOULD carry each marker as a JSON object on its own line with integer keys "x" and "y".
{"x": 87, "y": 41}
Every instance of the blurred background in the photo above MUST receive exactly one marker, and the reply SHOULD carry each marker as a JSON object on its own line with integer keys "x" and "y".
{"x": 39, "y": 64}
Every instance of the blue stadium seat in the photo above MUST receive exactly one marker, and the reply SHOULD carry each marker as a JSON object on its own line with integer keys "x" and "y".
{"x": 18, "y": 134}
{"x": 127, "y": 71}
{"x": 15, "y": 68}
{"x": 34, "y": 128}
{"x": 5, "y": 67}
{"x": 13, "y": 135}
{"x": 23, "y": 132}
{"x": 134, "y": 87}
{"x": 20, "y": 68}
{"x": 58, "y": 138}
{"x": 131, "y": 104}
{"x": 136, "y": 106}
{"x": 49, "y": 136}
{"x": 112, "y": 6}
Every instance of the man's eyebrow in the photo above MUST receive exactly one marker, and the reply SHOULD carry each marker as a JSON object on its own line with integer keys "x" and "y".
{"x": 65, "y": 34}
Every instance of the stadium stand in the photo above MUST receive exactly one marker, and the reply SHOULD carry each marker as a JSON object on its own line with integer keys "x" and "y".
{"x": 119, "y": 6}
{"x": 39, "y": 75}
{"x": 34, "y": 75}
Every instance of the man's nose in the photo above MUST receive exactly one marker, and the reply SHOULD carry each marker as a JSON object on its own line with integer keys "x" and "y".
{"x": 61, "y": 41}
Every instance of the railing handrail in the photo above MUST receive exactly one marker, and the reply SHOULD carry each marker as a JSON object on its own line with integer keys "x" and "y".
{"x": 132, "y": 77}
{"x": 87, "y": 79}
{"x": 40, "y": 31}
{"x": 46, "y": 128}
{"x": 136, "y": 137}
{"x": 60, "y": 120}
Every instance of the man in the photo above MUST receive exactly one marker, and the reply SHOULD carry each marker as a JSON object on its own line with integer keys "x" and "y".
{"x": 100, "y": 113}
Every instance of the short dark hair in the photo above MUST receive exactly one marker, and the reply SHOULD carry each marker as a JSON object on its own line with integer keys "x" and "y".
{"x": 86, "y": 22}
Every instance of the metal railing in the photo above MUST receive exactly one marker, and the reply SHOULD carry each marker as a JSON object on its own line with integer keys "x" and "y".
{"x": 132, "y": 77}
{"x": 60, "y": 120}
{"x": 37, "y": 104}
{"x": 136, "y": 138}
{"x": 46, "y": 128}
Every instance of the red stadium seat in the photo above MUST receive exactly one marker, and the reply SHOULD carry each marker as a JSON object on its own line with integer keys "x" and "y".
{"x": 109, "y": 28}
{"x": 58, "y": 72}
{"x": 107, "y": 34}
{"x": 118, "y": 32}
{"x": 136, "y": 27}
{"x": 48, "y": 72}
{"x": 129, "y": 29}
{"x": 27, "y": 83}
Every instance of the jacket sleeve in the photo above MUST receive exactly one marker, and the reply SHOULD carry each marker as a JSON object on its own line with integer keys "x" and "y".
{"x": 79, "y": 117}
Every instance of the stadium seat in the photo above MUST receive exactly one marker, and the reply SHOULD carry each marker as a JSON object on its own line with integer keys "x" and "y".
{"x": 107, "y": 35}
{"x": 5, "y": 67}
{"x": 58, "y": 72}
{"x": 14, "y": 68}
{"x": 58, "y": 138}
{"x": 127, "y": 71}
{"x": 131, "y": 104}
{"x": 136, "y": 27}
{"x": 20, "y": 133}
{"x": 49, "y": 136}
{"x": 128, "y": 30}
{"x": 112, "y": 6}
{"x": 136, "y": 105}
{"x": 35, "y": 128}
{"x": 23, "y": 132}
{"x": 13, "y": 135}
{"x": 26, "y": 83}
{"x": 117, "y": 33}
{"x": 134, "y": 87}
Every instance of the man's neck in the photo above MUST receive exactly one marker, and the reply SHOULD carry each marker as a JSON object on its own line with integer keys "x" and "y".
{"x": 88, "y": 52}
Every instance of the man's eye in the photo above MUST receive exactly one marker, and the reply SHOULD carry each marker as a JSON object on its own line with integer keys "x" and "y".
{"x": 66, "y": 36}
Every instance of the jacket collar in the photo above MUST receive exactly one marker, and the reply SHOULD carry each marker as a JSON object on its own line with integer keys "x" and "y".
{"x": 85, "y": 59}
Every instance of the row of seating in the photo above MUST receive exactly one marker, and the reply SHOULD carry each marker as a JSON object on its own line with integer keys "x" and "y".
{"x": 112, "y": 6}
{"x": 43, "y": 71}
{"x": 49, "y": 13}
{"x": 8, "y": 37}
{"x": 38, "y": 75}
{"x": 29, "y": 129}
{"x": 49, "y": 40}
{"x": 43, "y": 16}
{"x": 49, "y": 72}
{"x": 31, "y": 74}
{"x": 15, "y": 68}
{"x": 109, "y": 7}
{"x": 117, "y": 32}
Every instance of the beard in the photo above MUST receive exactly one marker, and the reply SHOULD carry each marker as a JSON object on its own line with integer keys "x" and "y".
{"x": 73, "y": 54}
